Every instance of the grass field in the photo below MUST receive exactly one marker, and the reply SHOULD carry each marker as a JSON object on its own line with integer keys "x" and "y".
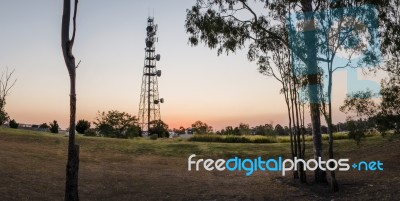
{"x": 32, "y": 167}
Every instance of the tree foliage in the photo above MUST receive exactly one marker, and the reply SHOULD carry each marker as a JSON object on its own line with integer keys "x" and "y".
{"x": 13, "y": 124}
{"x": 200, "y": 127}
{"x": 363, "y": 106}
{"x": 44, "y": 126}
{"x": 181, "y": 130}
{"x": 159, "y": 128}
{"x": 360, "y": 103}
{"x": 280, "y": 130}
{"x": 244, "y": 129}
{"x": 54, "y": 127}
{"x": 82, "y": 125}
{"x": 115, "y": 124}
{"x": 388, "y": 116}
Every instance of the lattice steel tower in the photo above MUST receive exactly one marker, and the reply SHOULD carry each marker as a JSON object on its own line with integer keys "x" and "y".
{"x": 149, "y": 108}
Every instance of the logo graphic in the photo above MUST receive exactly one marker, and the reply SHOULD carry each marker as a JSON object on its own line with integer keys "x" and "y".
{"x": 335, "y": 39}
{"x": 274, "y": 165}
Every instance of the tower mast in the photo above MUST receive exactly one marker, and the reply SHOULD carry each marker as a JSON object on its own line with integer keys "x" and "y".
{"x": 149, "y": 108}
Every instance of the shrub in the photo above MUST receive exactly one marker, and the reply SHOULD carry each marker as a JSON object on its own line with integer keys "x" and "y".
{"x": 160, "y": 128}
{"x": 13, "y": 124}
{"x": 265, "y": 139}
{"x": 357, "y": 130}
{"x": 134, "y": 131}
{"x": 114, "y": 124}
{"x": 54, "y": 127}
{"x": 258, "y": 138}
{"x": 206, "y": 138}
{"x": 236, "y": 139}
{"x": 340, "y": 136}
{"x": 154, "y": 136}
{"x": 90, "y": 132}
{"x": 218, "y": 138}
{"x": 82, "y": 126}
{"x": 106, "y": 130}
{"x": 44, "y": 126}
{"x": 3, "y": 116}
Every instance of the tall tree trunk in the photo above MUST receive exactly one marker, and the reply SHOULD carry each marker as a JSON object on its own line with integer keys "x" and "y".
{"x": 313, "y": 82}
{"x": 301, "y": 170}
{"x": 71, "y": 185}
{"x": 333, "y": 182}
{"x": 288, "y": 92}
{"x": 292, "y": 91}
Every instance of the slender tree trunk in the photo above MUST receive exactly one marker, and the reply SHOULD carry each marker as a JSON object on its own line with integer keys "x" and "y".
{"x": 333, "y": 182}
{"x": 287, "y": 95}
{"x": 289, "y": 103}
{"x": 303, "y": 132}
{"x": 313, "y": 82}
{"x": 71, "y": 184}
{"x": 301, "y": 170}
{"x": 292, "y": 91}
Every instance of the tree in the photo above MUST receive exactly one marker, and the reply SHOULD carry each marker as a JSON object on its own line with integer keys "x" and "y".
{"x": 361, "y": 104}
{"x": 230, "y": 25}
{"x": 6, "y": 84}
{"x": 219, "y": 25}
{"x": 13, "y": 124}
{"x": 71, "y": 183}
{"x": 114, "y": 123}
{"x": 283, "y": 70}
{"x": 279, "y": 129}
{"x": 390, "y": 18}
{"x": 44, "y": 126}
{"x": 228, "y": 130}
{"x": 82, "y": 125}
{"x": 339, "y": 32}
{"x": 160, "y": 128}
{"x": 201, "y": 128}
{"x": 180, "y": 131}
{"x": 244, "y": 129}
{"x": 54, "y": 127}
{"x": 388, "y": 117}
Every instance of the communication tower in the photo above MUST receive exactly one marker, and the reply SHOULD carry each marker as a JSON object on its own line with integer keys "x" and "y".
{"x": 149, "y": 108}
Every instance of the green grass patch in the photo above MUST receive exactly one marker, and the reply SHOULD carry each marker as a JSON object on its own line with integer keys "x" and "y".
{"x": 211, "y": 146}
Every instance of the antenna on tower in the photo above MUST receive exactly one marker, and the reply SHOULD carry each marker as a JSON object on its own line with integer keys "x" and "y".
{"x": 149, "y": 107}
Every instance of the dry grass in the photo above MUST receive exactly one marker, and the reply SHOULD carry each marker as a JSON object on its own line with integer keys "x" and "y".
{"x": 32, "y": 167}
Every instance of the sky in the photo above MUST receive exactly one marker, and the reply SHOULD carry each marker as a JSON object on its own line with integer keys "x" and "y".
{"x": 196, "y": 83}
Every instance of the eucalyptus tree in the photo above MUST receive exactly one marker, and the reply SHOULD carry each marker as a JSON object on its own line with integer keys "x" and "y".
{"x": 231, "y": 25}
{"x": 389, "y": 16}
{"x": 277, "y": 64}
{"x": 347, "y": 39}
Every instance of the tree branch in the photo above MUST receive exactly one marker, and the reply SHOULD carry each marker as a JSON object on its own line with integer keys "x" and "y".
{"x": 74, "y": 21}
{"x": 259, "y": 26}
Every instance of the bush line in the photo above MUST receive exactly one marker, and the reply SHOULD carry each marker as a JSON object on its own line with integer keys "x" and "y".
{"x": 256, "y": 139}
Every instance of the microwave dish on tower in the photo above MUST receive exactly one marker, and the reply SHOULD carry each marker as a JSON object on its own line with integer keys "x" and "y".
{"x": 149, "y": 107}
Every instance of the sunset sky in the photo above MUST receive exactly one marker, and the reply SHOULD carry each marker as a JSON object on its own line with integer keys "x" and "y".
{"x": 196, "y": 83}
